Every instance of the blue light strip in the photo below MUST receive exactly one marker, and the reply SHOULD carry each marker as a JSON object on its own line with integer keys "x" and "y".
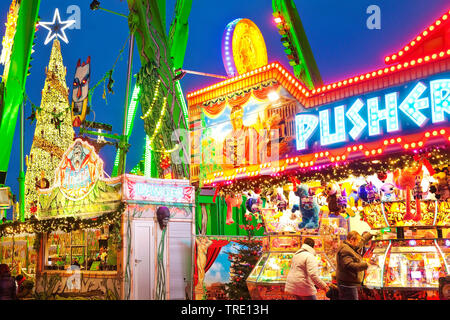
{"x": 440, "y": 99}
{"x": 389, "y": 114}
{"x": 305, "y": 125}
{"x": 358, "y": 122}
{"x": 227, "y": 48}
{"x": 412, "y": 104}
{"x": 326, "y": 137}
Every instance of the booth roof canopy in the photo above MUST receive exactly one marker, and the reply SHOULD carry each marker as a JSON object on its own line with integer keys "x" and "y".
{"x": 430, "y": 50}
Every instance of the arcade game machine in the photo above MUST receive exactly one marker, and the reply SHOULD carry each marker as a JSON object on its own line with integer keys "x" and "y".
{"x": 267, "y": 279}
{"x": 407, "y": 262}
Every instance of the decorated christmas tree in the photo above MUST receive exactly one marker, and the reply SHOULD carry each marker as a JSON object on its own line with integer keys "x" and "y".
{"x": 53, "y": 134}
{"x": 242, "y": 263}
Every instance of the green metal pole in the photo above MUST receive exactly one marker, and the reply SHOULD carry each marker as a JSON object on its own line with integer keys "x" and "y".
{"x": 15, "y": 83}
{"x": 123, "y": 153}
{"x": 116, "y": 13}
{"x": 22, "y": 171}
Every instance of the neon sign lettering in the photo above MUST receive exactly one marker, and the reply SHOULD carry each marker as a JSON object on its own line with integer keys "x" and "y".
{"x": 377, "y": 116}
{"x": 158, "y": 192}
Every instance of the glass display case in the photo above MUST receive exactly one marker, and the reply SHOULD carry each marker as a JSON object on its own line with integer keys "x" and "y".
{"x": 407, "y": 268}
{"x": 90, "y": 250}
{"x": 267, "y": 279}
{"x": 392, "y": 214}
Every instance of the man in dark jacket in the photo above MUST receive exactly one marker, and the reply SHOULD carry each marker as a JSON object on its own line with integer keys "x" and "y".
{"x": 24, "y": 288}
{"x": 350, "y": 265}
{"x": 7, "y": 284}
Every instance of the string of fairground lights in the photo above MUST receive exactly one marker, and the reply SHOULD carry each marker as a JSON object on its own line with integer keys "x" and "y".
{"x": 165, "y": 151}
{"x": 48, "y": 142}
{"x": 368, "y": 151}
{"x": 342, "y": 83}
{"x": 421, "y": 37}
{"x": 158, "y": 124}
{"x": 155, "y": 98}
{"x": 65, "y": 224}
{"x": 438, "y": 159}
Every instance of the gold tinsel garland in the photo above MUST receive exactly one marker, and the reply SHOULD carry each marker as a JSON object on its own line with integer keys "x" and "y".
{"x": 54, "y": 83}
{"x": 48, "y": 146}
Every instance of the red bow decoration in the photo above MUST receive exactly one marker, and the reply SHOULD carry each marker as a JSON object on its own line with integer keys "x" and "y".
{"x": 165, "y": 162}
{"x": 424, "y": 160}
{"x": 215, "y": 194}
{"x": 295, "y": 181}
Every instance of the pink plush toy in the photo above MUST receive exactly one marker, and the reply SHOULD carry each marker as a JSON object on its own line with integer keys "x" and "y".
{"x": 232, "y": 202}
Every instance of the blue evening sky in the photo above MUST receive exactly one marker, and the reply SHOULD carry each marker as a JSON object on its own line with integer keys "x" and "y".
{"x": 341, "y": 43}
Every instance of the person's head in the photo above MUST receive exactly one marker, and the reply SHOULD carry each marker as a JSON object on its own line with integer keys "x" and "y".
{"x": 4, "y": 269}
{"x": 353, "y": 238}
{"x": 236, "y": 116}
{"x": 19, "y": 277}
{"x": 310, "y": 242}
{"x": 364, "y": 234}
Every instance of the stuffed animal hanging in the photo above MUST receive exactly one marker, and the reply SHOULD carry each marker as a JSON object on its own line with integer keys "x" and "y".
{"x": 332, "y": 191}
{"x": 388, "y": 192}
{"x": 353, "y": 200}
{"x": 342, "y": 200}
{"x": 405, "y": 180}
{"x": 368, "y": 192}
{"x": 279, "y": 199}
{"x": 440, "y": 188}
{"x": 308, "y": 208}
{"x": 253, "y": 203}
{"x": 232, "y": 201}
{"x": 253, "y": 206}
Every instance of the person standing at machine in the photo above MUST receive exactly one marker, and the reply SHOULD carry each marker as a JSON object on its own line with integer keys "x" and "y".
{"x": 350, "y": 265}
{"x": 303, "y": 276}
{"x": 7, "y": 284}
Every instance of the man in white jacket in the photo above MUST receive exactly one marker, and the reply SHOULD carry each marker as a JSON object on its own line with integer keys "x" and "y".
{"x": 304, "y": 274}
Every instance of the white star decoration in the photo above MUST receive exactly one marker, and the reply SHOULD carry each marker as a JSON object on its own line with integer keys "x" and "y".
{"x": 56, "y": 28}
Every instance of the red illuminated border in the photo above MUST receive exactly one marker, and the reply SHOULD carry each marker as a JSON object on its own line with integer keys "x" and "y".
{"x": 334, "y": 156}
{"x": 433, "y": 28}
{"x": 300, "y": 91}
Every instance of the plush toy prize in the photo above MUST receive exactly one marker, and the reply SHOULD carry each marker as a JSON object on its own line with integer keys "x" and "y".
{"x": 232, "y": 201}
{"x": 308, "y": 208}
{"x": 406, "y": 180}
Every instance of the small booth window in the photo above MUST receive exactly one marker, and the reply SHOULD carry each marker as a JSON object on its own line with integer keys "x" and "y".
{"x": 89, "y": 250}
{"x": 19, "y": 254}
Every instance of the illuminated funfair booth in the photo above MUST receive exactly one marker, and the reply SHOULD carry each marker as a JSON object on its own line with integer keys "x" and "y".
{"x": 238, "y": 130}
{"x": 364, "y": 153}
{"x": 127, "y": 237}
{"x": 17, "y": 249}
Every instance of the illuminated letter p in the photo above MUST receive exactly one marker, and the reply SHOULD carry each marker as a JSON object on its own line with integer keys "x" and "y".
{"x": 305, "y": 124}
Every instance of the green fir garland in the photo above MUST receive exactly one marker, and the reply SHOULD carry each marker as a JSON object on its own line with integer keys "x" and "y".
{"x": 66, "y": 224}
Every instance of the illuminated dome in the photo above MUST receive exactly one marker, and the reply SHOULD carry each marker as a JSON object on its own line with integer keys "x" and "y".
{"x": 243, "y": 47}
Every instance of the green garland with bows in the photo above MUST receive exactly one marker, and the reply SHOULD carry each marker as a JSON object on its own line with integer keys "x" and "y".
{"x": 66, "y": 224}
{"x": 438, "y": 158}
